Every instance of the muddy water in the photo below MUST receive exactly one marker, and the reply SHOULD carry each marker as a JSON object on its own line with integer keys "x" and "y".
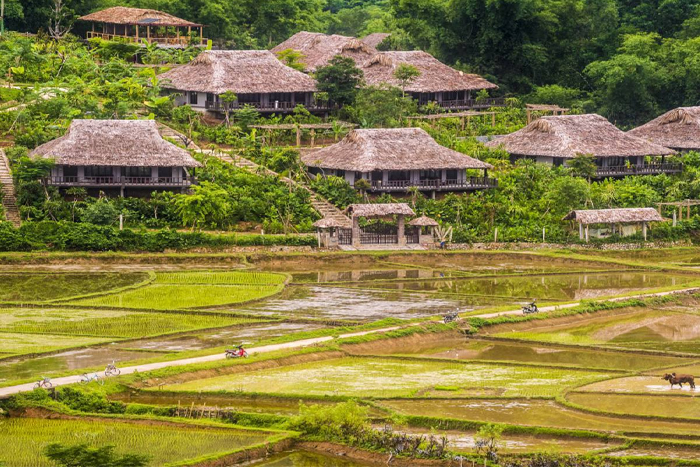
{"x": 536, "y": 413}
{"x": 641, "y": 384}
{"x": 670, "y": 451}
{"x": 359, "y": 305}
{"x": 565, "y": 356}
{"x": 28, "y": 367}
{"x": 659, "y": 406}
{"x": 309, "y": 459}
{"x": 199, "y": 340}
{"x": 552, "y": 287}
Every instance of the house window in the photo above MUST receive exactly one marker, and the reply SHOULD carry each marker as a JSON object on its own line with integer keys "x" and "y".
{"x": 193, "y": 97}
{"x": 452, "y": 174}
{"x": 98, "y": 171}
{"x": 165, "y": 172}
{"x": 136, "y": 171}
{"x": 210, "y": 97}
{"x": 430, "y": 174}
{"x": 70, "y": 171}
{"x": 399, "y": 175}
{"x": 358, "y": 175}
{"x": 340, "y": 173}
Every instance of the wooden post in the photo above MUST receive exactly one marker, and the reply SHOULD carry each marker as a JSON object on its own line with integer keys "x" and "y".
{"x": 148, "y": 33}
{"x": 495, "y": 235}
{"x": 313, "y": 137}
{"x": 298, "y": 136}
{"x": 675, "y": 218}
{"x": 493, "y": 119}
{"x": 580, "y": 231}
{"x": 137, "y": 32}
{"x": 687, "y": 211}
{"x": 528, "y": 115}
{"x": 586, "y": 233}
{"x": 680, "y": 213}
{"x": 201, "y": 35}
{"x": 644, "y": 230}
{"x": 401, "y": 230}
{"x": 178, "y": 34}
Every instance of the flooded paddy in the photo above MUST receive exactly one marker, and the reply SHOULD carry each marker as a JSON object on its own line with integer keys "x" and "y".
{"x": 35, "y": 286}
{"x": 546, "y": 355}
{"x": 29, "y": 367}
{"x": 657, "y": 406}
{"x": 529, "y": 412}
{"x": 227, "y": 336}
{"x": 309, "y": 459}
{"x": 667, "y": 452}
{"x": 556, "y": 287}
{"x": 639, "y": 384}
{"x": 378, "y": 377}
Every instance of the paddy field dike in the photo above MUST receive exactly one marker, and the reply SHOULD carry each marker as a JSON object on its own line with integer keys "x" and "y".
{"x": 360, "y": 333}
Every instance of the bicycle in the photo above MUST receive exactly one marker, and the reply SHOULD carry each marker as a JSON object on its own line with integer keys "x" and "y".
{"x": 44, "y": 382}
{"x": 86, "y": 379}
{"x": 112, "y": 370}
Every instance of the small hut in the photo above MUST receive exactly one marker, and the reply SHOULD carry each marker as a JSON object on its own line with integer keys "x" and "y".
{"x": 678, "y": 129}
{"x": 329, "y": 231}
{"x": 606, "y": 222}
{"x": 557, "y": 139}
{"x": 117, "y": 156}
{"x": 318, "y": 49}
{"x": 139, "y": 24}
{"x": 437, "y": 82}
{"x": 393, "y": 160}
{"x": 426, "y": 229}
{"x": 380, "y": 233}
{"x": 256, "y": 77}
{"x": 374, "y": 39}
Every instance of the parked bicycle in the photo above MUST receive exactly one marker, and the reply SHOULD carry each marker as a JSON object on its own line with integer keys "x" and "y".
{"x": 44, "y": 382}
{"x": 89, "y": 378}
{"x": 451, "y": 317}
{"x": 112, "y": 370}
{"x": 531, "y": 308}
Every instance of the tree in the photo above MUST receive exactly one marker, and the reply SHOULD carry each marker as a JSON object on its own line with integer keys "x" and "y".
{"x": 381, "y": 106}
{"x": 406, "y": 74}
{"x": 487, "y": 440}
{"x": 101, "y": 212}
{"x": 61, "y": 20}
{"x": 228, "y": 98}
{"x": 292, "y": 58}
{"x": 583, "y": 165}
{"x": 340, "y": 80}
{"x": 81, "y": 455}
{"x": 207, "y": 205}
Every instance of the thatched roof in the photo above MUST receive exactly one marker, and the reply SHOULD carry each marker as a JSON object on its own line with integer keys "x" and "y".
{"x": 424, "y": 221}
{"x": 374, "y": 39}
{"x": 128, "y": 143}
{"x": 435, "y": 76}
{"x": 379, "y": 210}
{"x": 318, "y": 49}
{"x": 614, "y": 216}
{"x": 332, "y": 222}
{"x": 141, "y": 16}
{"x": 239, "y": 71}
{"x": 390, "y": 149}
{"x": 677, "y": 129}
{"x": 567, "y": 136}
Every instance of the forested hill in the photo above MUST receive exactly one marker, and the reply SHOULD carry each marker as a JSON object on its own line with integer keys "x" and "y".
{"x": 626, "y": 59}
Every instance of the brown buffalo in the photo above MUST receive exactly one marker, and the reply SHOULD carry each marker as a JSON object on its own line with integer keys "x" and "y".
{"x": 680, "y": 379}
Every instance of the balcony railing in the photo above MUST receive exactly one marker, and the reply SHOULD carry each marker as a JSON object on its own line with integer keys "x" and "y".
{"x": 270, "y": 107}
{"x": 646, "y": 169}
{"x": 182, "y": 41}
{"x": 118, "y": 181}
{"x": 463, "y": 104}
{"x": 471, "y": 183}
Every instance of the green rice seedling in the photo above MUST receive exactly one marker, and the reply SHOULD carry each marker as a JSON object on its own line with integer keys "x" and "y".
{"x": 221, "y": 277}
{"x": 23, "y": 439}
{"x": 17, "y": 343}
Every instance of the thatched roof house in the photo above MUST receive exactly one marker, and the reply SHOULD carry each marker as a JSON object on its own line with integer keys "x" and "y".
{"x": 318, "y": 49}
{"x": 367, "y": 150}
{"x": 332, "y": 223}
{"x": 135, "y": 143}
{"x": 118, "y": 154}
{"x": 374, "y": 39}
{"x": 379, "y": 210}
{"x": 614, "y": 216}
{"x": 434, "y": 76}
{"x": 423, "y": 221}
{"x": 396, "y": 159}
{"x": 238, "y": 71}
{"x": 677, "y": 129}
{"x": 140, "y": 16}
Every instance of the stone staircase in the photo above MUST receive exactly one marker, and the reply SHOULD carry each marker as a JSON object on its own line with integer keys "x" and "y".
{"x": 170, "y": 133}
{"x": 9, "y": 200}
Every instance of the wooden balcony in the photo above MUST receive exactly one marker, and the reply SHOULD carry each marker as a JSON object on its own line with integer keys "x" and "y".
{"x": 181, "y": 41}
{"x": 270, "y": 107}
{"x": 467, "y": 104}
{"x": 646, "y": 169}
{"x": 469, "y": 184}
{"x": 70, "y": 181}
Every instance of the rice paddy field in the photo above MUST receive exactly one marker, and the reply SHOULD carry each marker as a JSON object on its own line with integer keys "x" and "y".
{"x": 580, "y": 383}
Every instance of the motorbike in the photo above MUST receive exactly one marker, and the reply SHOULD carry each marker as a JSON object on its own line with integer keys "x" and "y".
{"x": 451, "y": 317}
{"x": 238, "y": 352}
{"x": 531, "y": 308}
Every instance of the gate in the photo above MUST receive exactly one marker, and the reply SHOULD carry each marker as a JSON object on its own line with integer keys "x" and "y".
{"x": 344, "y": 236}
{"x": 378, "y": 234}
{"x": 412, "y": 235}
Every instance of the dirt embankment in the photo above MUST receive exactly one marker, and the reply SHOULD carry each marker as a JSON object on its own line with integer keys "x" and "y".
{"x": 372, "y": 458}
{"x": 412, "y": 344}
{"x": 234, "y": 369}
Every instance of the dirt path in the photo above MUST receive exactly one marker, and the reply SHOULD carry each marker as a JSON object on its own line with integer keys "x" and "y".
{"x": 10, "y": 390}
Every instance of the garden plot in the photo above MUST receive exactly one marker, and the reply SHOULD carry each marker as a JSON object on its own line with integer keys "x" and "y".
{"x": 634, "y": 404}
{"x": 17, "y": 343}
{"x": 377, "y": 377}
{"x": 541, "y": 354}
{"x": 23, "y": 439}
{"x": 551, "y": 287}
{"x": 31, "y": 286}
{"x": 639, "y": 384}
{"x": 357, "y": 304}
{"x": 107, "y": 323}
{"x": 529, "y": 412}
{"x": 193, "y": 290}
